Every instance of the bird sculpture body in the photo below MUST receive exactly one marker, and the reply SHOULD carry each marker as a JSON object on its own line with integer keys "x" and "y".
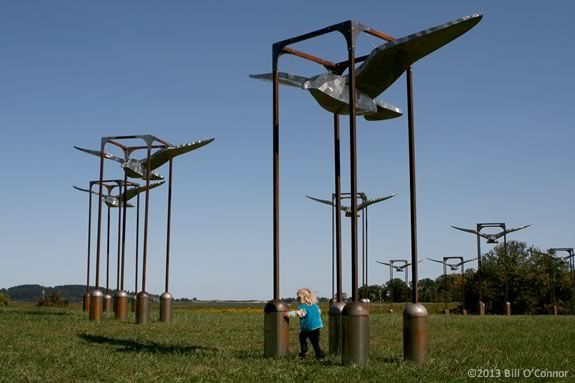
{"x": 361, "y": 206}
{"x": 491, "y": 238}
{"x": 384, "y": 65}
{"x": 138, "y": 168}
{"x": 453, "y": 266}
{"x": 117, "y": 200}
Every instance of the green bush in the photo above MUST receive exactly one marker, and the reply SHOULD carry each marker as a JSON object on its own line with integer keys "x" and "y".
{"x": 52, "y": 300}
{"x": 4, "y": 299}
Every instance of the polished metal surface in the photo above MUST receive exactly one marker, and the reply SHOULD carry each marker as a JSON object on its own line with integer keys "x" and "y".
{"x": 96, "y": 304}
{"x": 117, "y": 200}
{"x": 415, "y": 333}
{"x": 86, "y": 302}
{"x": 481, "y": 308}
{"x": 142, "y": 308}
{"x": 121, "y": 305}
{"x": 384, "y": 65}
{"x": 335, "y": 327}
{"x": 508, "y": 308}
{"x": 166, "y": 310}
{"x": 276, "y": 329}
{"x": 138, "y": 169}
{"x": 355, "y": 329}
{"x": 107, "y": 302}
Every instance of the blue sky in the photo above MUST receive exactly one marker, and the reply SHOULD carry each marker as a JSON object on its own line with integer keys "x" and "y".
{"x": 494, "y": 136}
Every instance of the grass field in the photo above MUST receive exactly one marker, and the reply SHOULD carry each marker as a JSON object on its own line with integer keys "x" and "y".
{"x": 218, "y": 343}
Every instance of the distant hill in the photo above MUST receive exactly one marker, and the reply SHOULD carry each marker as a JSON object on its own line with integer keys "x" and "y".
{"x": 33, "y": 293}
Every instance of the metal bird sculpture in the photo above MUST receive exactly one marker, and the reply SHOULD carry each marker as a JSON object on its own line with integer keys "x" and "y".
{"x": 361, "y": 206}
{"x": 491, "y": 238}
{"x": 117, "y": 200}
{"x": 384, "y": 65}
{"x": 453, "y": 266}
{"x": 398, "y": 268}
{"x": 138, "y": 168}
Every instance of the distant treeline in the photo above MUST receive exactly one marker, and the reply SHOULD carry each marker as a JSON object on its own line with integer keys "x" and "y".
{"x": 34, "y": 293}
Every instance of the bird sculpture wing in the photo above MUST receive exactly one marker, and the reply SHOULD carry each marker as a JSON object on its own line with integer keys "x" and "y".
{"x": 386, "y": 63}
{"x": 98, "y": 153}
{"x": 344, "y": 208}
{"x": 162, "y": 156}
{"x": 131, "y": 193}
{"x": 86, "y": 190}
{"x": 372, "y": 201}
{"x": 435, "y": 260}
{"x": 383, "y": 263}
{"x": 468, "y": 260}
{"x": 283, "y": 78}
{"x": 466, "y": 230}
{"x": 499, "y": 235}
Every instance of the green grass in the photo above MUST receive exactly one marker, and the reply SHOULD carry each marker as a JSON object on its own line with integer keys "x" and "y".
{"x": 226, "y": 344}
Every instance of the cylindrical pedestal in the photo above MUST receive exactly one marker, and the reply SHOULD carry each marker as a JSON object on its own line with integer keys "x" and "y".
{"x": 276, "y": 329}
{"x": 355, "y": 334}
{"x": 554, "y": 310}
{"x": 335, "y": 329}
{"x": 446, "y": 311}
{"x": 107, "y": 302}
{"x": 415, "y": 333}
{"x": 464, "y": 312}
{"x": 166, "y": 314}
{"x": 121, "y": 305}
{"x": 508, "y": 308}
{"x": 86, "y": 305}
{"x": 96, "y": 304}
{"x": 481, "y": 308}
{"x": 365, "y": 300}
{"x": 142, "y": 307}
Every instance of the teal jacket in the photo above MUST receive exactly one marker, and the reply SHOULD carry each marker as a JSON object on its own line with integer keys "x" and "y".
{"x": 312, "y": 318}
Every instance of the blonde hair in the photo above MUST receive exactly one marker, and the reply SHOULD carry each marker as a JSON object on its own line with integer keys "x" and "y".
{"x": 305, "y": 295}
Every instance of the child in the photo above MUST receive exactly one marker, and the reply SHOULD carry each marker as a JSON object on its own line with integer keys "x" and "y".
{"x": 310, "y": 322}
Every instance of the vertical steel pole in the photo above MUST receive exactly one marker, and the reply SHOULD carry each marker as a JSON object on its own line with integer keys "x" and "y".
{"x": 355, "y": 315}
{"x": 332, "y": 247}
{"x": 506, "y": 267}
{"x": 166, "y": 298}
{"x": 121, "y": 295}
{"x": 415, "y": 329}
{"x": 143, "y": 299}
{"x": 336, "y": 308}
{"x": 97, "y": 297}
{"x": 134, "y": 300}
{"x": 108, "y": 251}
{"x": 124, "y": 210}
{"x": 87, "y": 294}
{"x": 276, "y": 327}
{"x": 366, "y": 252}
{"x": 481, "y": 305}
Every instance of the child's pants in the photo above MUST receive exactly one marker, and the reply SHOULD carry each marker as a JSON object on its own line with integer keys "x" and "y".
{"x": 313, "y": 336}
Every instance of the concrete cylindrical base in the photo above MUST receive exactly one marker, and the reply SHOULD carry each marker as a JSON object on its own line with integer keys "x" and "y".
{"x": 481, "y": 308}
{"x": 355, "y": 334}
{"x": 446, "y": 311}
{"x": 142, "y": 307}
{"x": 276, "y": 329}
{"x": 464, "y": 312}
{"x": 96, "y": 304}
{"x": 335, "y": 330}
{"x": 121, "y": 305}
{"x": 508, "y": 308}
{"x": 107, "y": 302}
{"x": 554, "y": 310}
{"x": 415, "y": 333}
{"x": 86, "y": 302}
{"x": 166, "y": 314}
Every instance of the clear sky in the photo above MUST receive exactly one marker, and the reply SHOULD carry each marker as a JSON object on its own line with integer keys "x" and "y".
{"x": 494, "y": 136}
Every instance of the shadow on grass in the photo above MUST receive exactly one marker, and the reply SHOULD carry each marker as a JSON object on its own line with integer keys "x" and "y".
{"x": 45, "y": 312}
{"x": 129, "y": 345}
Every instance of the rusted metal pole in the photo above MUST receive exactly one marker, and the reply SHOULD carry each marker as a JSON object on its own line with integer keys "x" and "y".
{"x": 86, "y": 305}
{"x": 337, "y": 179}
{"x": 276, "y": 186}
{"x": 97, "y": 297}
{"x": 168, "y": 225}
{"x": 412, "y": 187}
{"x": 415, "y": 327}
{"x": 124, "y": 209}
{"x": 353, "y": 170}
